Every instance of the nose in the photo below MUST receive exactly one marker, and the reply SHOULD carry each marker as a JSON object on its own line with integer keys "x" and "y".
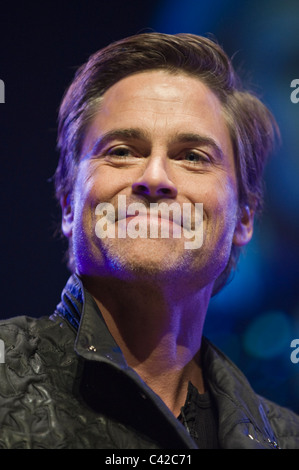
{"x": 154, "y": 182}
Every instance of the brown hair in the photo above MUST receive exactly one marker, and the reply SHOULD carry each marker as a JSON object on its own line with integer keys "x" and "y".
{"x": 251, "y": 125}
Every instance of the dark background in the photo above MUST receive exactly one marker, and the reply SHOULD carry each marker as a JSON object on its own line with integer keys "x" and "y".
{"x": 41, "y": 44}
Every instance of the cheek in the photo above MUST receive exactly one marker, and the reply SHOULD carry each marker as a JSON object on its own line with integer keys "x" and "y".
{"x": 220, "y": 206}
{"x": 99, "y": 182}
{"x": 85, "y": 199}
{"x": 92, "y": 186}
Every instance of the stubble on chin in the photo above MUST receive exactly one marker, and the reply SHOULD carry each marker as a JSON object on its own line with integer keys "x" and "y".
{"x": 145, "y": 258}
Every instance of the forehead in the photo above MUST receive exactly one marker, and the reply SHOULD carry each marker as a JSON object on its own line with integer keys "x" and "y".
{"x": 162, "y": 89}
{"x": 163, "y": 104}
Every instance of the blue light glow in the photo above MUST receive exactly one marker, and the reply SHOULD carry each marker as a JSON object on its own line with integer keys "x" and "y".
{"x": 268, "y": 335}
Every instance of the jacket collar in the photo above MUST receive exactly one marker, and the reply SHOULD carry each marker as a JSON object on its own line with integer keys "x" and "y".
{"x": 95, "y": 343}
{"x": 241, "y": 412}
{"x": 93, "y": 340}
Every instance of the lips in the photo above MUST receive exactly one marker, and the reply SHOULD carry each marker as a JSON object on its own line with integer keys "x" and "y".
{"x": 147, "y": 220}
{"x": 183, "y": 215}
{"x": 153, "y": 216}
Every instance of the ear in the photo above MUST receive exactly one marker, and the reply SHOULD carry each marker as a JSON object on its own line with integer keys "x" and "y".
{"x": 67, "y": 215}
{"x": 244, "y": 227}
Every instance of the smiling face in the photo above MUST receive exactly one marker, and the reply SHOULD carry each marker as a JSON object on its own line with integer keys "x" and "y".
{"x": 157, "y": 137}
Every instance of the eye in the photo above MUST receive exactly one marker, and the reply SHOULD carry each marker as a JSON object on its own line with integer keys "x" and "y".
{"x": 119, "y": 152}
{"x": 194, "y": 157}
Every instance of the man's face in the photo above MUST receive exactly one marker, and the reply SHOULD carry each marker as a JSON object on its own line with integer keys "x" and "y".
{"x": 157, "y": 137}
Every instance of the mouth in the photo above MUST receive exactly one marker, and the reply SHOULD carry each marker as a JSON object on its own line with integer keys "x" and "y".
{"x": 157, "y": 221}
{"x": 185, "y": 216}
{"x": 154, "y": 217}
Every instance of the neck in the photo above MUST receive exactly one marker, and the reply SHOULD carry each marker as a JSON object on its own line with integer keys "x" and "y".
{"x": 159, "y": 330}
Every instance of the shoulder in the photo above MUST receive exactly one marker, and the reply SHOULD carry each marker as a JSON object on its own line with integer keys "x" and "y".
{"x": 36, "y": 377}
{"x": 31, "y": 346}
{"x": 19, "y": 337}
{"x": 24, "y": 335}
{"x": 284, "y": 422}
{"x": 229, "y": 385}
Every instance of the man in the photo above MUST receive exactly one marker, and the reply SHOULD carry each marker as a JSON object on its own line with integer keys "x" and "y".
{"x": 122, "y": 362}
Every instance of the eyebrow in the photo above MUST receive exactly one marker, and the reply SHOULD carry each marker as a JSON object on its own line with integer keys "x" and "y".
{"x": 139, "y": 134}
{"x": 116, "y": 134}
{"x": 200, "y": 140}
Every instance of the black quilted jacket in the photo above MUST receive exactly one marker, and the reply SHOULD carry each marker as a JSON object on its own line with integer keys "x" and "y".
{"x": 65, "y": 384}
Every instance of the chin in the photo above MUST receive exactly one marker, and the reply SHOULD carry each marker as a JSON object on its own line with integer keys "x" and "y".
{"x": 145, "y": 258}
